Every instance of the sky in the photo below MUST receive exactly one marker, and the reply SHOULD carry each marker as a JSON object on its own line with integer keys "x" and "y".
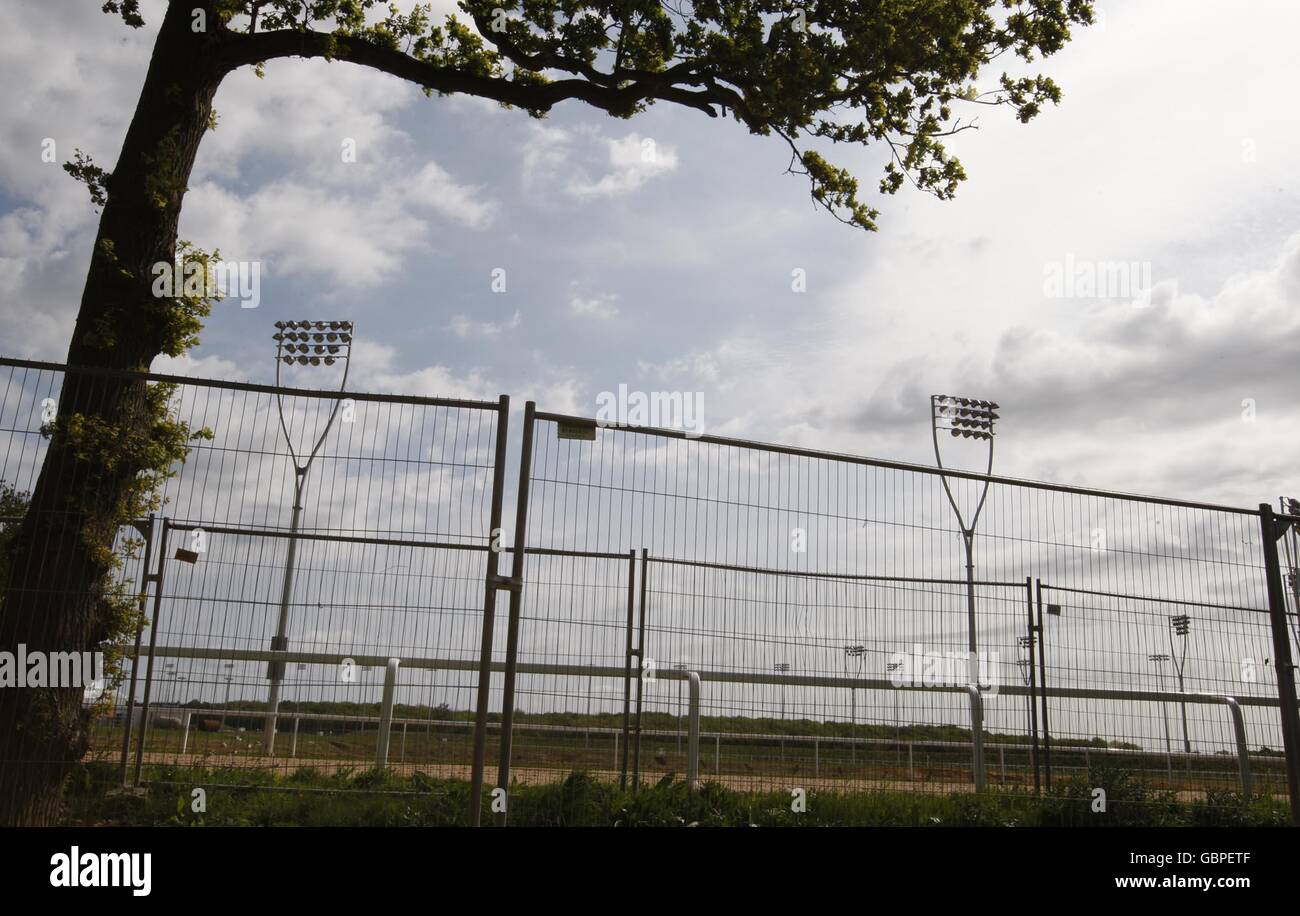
{"x": 1172, "y": 149}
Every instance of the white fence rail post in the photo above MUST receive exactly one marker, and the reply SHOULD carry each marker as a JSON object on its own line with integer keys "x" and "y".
{"x": 693, "y": 734}
{"x": 977, "y": 734}
{"x": 386, "y": 714}
{"x": 1243, "y": 751}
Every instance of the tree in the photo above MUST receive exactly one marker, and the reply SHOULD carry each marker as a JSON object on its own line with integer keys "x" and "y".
{"x": 888, "y": 72}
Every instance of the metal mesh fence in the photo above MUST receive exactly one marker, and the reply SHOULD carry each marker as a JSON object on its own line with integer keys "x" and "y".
{"x": 391, "y": 552}
{"x": 764, "y": 617}
{"x": 822, "y": 602}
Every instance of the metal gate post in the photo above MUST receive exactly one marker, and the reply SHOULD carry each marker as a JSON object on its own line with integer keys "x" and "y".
{"x": 640, "y": 681}
{"x": 153, "y": 643}
{"x": 627, "y": 668}
{"x": 491, "y": 585}
{"x": 1272, "y": 527}
{"x": 146, "y": 577}
{"x": 516, "y": 610}
{"x": 1034, "y": 636}
{"x": 1042, "y": 676}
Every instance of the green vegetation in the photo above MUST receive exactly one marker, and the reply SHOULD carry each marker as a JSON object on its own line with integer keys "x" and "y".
{"x": 372, "y": 798}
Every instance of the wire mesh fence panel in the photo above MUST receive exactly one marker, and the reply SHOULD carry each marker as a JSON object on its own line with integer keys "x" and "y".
{"x": 829, "y": 605}
{"x": 1166, "y": 648}
{"x": 335, "y": 528}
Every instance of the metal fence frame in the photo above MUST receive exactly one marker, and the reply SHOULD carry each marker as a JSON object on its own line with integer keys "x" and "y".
{"x": 627, "y": 738}
{"x": 1272, "y": 526}
{"x": 156, "y": 533}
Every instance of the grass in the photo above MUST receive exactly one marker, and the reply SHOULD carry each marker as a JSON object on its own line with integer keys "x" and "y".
{"x": 382, "y": 799}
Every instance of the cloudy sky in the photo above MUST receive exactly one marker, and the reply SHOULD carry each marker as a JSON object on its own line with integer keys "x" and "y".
{"x": 1173, "y": 148}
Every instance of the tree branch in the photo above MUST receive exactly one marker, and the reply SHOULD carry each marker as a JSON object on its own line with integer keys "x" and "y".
{"x": 240, "y": 50}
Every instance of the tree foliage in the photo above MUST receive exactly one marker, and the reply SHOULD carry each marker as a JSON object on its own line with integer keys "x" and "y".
{"x": 898, "y": 74}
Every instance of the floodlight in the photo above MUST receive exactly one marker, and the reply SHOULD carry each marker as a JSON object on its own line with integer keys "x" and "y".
{"x": 300, "y": 343}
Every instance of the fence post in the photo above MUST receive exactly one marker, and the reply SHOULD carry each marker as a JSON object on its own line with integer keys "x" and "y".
{"x": 1033, "y": 634}
{"x": 693, "y": 733}
{"x": 627, "y": 669}
{"x": 516, "y": 610}
{"x": 490, "y": 586}
{"x": 293, "y": 745}
{"x": 385, "y": 714}
{"x": 977, "y": 734}
{"x": 142, "y": 607}
{"x": 185, "y": 728}
{"x": 153, "y": 643}
{"x": 640, "y": 681}
{"x": 1042, "y": 680}
{"x": 1273, "y": 528}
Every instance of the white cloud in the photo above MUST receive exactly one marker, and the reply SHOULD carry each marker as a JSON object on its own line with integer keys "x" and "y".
{"x": 633, "y": 160}
{"x": 598, "y": 306}
{"x": 464, "y": 327}
{"x": 571, "y": 162}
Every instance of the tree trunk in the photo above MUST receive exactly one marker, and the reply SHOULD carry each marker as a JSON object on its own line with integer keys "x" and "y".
{"x": 61, "y": 560}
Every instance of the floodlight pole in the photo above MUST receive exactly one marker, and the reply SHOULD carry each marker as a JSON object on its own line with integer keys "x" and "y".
{"x": 782, "y": 668}
{"x": 967, "y": 536}
{"x": 853, "y": 651}
{"x": 1179, "y": 663}
{"x": 280, "y": 641}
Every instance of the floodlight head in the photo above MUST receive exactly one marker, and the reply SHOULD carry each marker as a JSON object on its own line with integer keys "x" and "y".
{"x": 1158, "y": 657}
{"x": 318, "y": 342}
{"x": 966, "y": 418}
{"x": 1181, "y": 623}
